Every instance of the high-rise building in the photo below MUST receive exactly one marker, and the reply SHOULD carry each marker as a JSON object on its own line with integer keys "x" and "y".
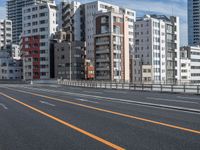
{"x": 14, "y": 13}
{"x": 93, "y": 8}
{"x": 71, "y": 19}
{"x": 39, "y": 24}
{"x": 113, "y": 38}
{"x": 193, "y": 22}
{"x": 157, "y": 53}
{"x": 5, "y": 35}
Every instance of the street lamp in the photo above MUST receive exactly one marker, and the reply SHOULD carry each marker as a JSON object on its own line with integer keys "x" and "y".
{"x": 70, "y": 61}
{"x": 70, "y": 32}
{"x": 70, "y": 55}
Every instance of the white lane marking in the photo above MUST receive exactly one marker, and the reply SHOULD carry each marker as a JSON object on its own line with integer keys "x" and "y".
{"x": 170, "y": 100}
{"x": 194, "y": 98}
{"x": 183, "y": 109}
{"x": 47, "y": 103}
{"x": 91, "y": 92}
{"x": 162, "y": 108}
{"x": 4, "y": 106}
{"x": 84, "y": 100}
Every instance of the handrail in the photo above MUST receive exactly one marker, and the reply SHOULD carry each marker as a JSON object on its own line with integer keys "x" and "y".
{"x": 173, "y": 88}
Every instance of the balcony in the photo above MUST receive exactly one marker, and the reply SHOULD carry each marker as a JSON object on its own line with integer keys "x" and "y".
{"x": 102, "y": 42}
{"x": 102, "y": 51}
{"x": 103, "y": 77}
{"x": 102, "y": 68}
{"x": 103, "y": 59}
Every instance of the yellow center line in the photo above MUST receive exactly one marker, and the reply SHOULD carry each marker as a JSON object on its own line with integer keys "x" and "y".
{"x": 115, "y": 113}
{"x": 66, "y": 124}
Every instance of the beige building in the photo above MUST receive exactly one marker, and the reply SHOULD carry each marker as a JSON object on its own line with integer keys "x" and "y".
{"x": 111, "y": 47}
{"x": 146, "y": 74}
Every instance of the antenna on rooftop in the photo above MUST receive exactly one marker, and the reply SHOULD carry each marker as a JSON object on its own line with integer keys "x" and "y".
{"x": 172, "y": 10}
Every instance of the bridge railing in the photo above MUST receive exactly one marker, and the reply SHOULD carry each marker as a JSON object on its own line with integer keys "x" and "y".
{"x": 173, "y": 88}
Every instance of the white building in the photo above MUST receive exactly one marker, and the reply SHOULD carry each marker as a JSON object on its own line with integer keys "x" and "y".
{"x": 190, "y": 64}
{"x": 91, "y": 9}
{"x": 156, "y": 50}
{"x": 10, "y": 69}
{"x": 70, "y": 18}
{"x": 14, "y": 13}
{"x": 16, "y": 52}
{"x": 39, "y": 24}
{"x": 5, "y": 34}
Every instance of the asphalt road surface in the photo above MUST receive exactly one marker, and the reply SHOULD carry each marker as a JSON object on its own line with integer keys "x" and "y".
{"x": 55, "y": 117}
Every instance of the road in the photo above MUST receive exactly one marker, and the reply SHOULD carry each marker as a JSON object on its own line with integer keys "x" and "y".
{"x": 49, "y": 117}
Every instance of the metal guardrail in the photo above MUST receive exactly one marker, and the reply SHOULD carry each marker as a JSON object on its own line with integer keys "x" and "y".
{"x": 13, "y": 82}
{"x": 194, "y": 89}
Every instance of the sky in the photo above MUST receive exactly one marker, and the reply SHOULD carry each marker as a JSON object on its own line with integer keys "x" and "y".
{"x": 165, "y": 7}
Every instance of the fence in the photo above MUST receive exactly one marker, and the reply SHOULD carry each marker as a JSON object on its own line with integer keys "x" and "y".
{"x": 195, "y": 89}
{"x": 13, "y": 82}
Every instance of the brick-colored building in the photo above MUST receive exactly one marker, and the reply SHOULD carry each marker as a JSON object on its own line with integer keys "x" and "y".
{"x": 112, "y": 46}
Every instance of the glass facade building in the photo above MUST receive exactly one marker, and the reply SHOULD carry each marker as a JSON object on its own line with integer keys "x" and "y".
{"x": 193, "y": 22}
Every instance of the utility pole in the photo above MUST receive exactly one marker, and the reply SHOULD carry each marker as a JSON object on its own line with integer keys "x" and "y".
{"x": 70, "y": 61}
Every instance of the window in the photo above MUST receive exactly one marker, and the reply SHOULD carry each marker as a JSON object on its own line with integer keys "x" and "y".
{"x": 42, "y": 51}
{"x": 34, "y": 8}
{"x": 42, "y": 36}
{"x": 42, "y": 14}
{"x": 43, "y": 21}
{"x": 104, "y": 19}
{"x": 43, "y": 59}
{"x": 104, "y": 29}
{"x": 42, "y": 29}
{"x": 34, "y": 23}
{"x": 35, "y": 30}
{"x": 63, "y": 57}
{"x": 130, "y": 13}
{"x": 34, "y": 16}
{"x": 42, "y": 44}
{"x": 43, "y": 7}
{"x": 116, "y": 29}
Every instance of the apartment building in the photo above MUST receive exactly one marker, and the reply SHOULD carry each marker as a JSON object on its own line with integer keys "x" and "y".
{"x": 190, "y": 64}
{"x": 69, "y": 60}
{"x": 157, "y": 55}
{"x": 93, "y": 8}
{"x": 112, "y": 45}
{"x": 71, "y": 19}
{"x": 39, "y": 24}
{"x": 14, "y": 13}
{"x": 16, "y": 52}
{"x": 10, "y": 69}
{"x": 193, "y": 22}
{"x": 68, "y": 57}
{"x": 5, "y": 35}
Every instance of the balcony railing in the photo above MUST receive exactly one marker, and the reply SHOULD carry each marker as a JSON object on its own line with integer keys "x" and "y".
{"x": 100, "y": 51}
